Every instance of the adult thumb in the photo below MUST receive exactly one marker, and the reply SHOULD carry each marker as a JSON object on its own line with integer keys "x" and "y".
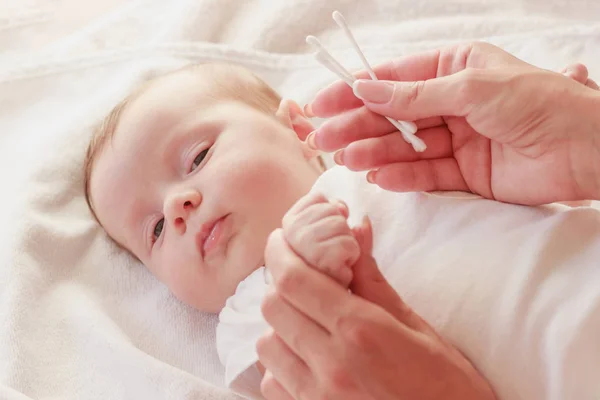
{"x": 409, "y": 101}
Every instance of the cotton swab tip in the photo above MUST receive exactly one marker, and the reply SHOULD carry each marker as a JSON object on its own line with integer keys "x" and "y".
{"x": 310, "y": 39}
{"x": 339, "y": 18}
{"x": 409, "y": 127}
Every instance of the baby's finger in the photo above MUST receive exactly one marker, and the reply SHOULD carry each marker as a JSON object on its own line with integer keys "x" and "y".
{"x": 341, "y": 273}
{"x": 312, "y": 215}
{"x": 301, "y": 205}
{"x": 336, "y": 256}
{"x": 342, "y": 208}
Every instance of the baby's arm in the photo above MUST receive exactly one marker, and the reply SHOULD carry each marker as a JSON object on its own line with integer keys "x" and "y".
{"x": 318, "y": 232}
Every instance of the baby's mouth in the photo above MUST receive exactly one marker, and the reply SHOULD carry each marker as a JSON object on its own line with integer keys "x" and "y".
{"x": 210, "y": 235}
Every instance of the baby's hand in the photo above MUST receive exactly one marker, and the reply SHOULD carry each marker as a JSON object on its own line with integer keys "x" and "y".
{"x": 318, "y": 232}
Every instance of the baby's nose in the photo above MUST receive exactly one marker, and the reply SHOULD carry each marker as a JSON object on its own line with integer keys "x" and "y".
{"x": 179, "y": 208}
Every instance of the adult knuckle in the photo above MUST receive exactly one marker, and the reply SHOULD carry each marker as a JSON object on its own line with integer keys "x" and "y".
{"x": 471, "y": 81}
{"x": 412, "y": 93}
{"x": 269, "y": 387}
{"x": 338, "y": 380}
{"x": 273, "y": 245}
{"x": 290, "y": 280}
{"x": 274, "y": 239}
{"x": 356, "y": 332}
{"x": 270, "y": 305}
{"x": 263, "y": 344}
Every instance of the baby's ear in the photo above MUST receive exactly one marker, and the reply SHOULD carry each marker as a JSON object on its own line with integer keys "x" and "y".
{"x": 292, "y": 116}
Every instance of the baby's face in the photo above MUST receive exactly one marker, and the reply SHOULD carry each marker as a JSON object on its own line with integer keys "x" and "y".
{"x": 192, "y": 183}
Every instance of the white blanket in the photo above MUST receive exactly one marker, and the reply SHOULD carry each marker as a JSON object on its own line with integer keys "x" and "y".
{"x": 79, "y": 319}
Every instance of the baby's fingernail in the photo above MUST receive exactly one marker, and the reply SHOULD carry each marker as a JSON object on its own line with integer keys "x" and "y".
{"x": 342, "y": 207}
{"x": 377, "y": 92}
{"x": 371, "y": 176}
{"x": 338, "y": 157}
{"x": 308, "y": 111}
{"x": 311, "y": 141}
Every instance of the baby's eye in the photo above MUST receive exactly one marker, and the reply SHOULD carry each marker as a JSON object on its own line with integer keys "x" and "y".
{"x": 199, "y": 158}
{"x": 158, "y": 229}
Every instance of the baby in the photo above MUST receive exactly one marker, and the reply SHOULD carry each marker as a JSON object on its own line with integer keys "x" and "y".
{"x": 194, "y": 170}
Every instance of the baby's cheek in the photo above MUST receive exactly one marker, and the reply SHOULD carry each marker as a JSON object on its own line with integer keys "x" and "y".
{"x": 266, "y": 183}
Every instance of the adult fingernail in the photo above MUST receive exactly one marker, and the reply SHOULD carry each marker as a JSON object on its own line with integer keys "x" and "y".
{"x": 592, "y": 84}
{"x": 371, "y": 176}
{"x": 377, "y": 92}
{"x": 311, "y": 141}
{"x": 338, "y": 157}
{"x": 568, "y": 72}
{"x": 308, "y": 111}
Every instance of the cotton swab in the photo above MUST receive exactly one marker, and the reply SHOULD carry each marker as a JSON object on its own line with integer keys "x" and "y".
{"x": 325, "y": 58}
{"x": 341, "y": 21}
{"x": 408, "y": 129}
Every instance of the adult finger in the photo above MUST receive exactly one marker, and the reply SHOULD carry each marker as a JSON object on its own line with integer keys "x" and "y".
{"x": 309, "y": 291}
{"x": 592, "y": 84}
{"x": 284, "y": 365}
{"x": 273, "y": 390}
{"x": 338, "y": 97}
{"x": 423, "y": 175}
{"x": 577, "y": 72}
{"x": 354, "y": 125}
{"x": 452, "y": 95}
{"x": 297, "y": 331}
{"x": 392, "y": 148}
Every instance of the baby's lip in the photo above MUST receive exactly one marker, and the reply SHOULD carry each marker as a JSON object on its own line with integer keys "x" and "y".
{"x": 209, "y": 235}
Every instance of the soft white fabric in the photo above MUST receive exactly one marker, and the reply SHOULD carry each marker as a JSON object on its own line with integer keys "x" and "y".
{"x": 240, "y": 326}
{"x": 77, "y": 314}
{"x": 514, "y": 288}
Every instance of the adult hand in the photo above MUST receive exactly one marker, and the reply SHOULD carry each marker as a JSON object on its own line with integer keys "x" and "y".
{"x": 494, "y": 125}
{"x": 328, "y": 343}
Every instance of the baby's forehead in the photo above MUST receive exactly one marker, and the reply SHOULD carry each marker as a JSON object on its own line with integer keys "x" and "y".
{"x": 214, "y": 83}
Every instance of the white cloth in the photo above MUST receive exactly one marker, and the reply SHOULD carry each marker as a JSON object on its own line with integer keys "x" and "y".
{"x": 515, "y": 288}
{"x": 240, "y": 326}
{"x": 79, "y": 319}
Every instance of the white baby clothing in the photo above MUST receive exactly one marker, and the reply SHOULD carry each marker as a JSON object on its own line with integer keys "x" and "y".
{"x": 516, "y": 289}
